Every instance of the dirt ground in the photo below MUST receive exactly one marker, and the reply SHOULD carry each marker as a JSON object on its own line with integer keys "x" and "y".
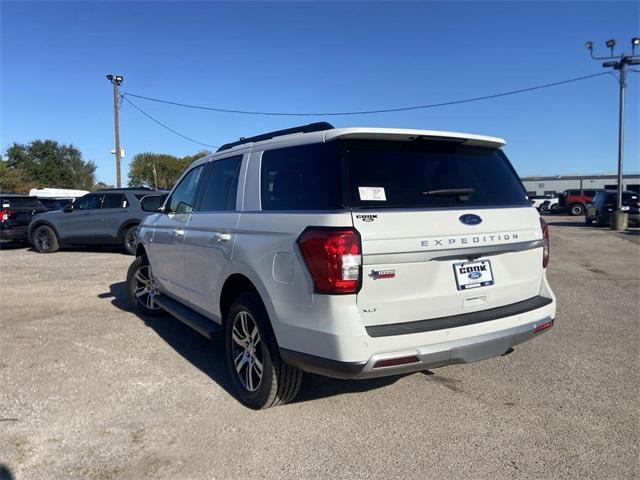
{"x": 89, "y": 390}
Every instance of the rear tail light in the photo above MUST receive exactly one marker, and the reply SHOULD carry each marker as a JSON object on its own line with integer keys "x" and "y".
{"x": 545, "y": 245}
{"x": 333, "y": 257}
{"x": 5, "y": 214}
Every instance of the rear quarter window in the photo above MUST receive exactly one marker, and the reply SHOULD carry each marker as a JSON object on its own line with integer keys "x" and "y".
{"x": 306, "y": 177}
{"x": 388, "y": 174}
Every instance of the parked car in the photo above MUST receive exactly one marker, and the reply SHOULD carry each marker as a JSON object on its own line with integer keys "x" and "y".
{"x": 105, "y": 217}
{"x": 537, "y": 200}
{"x": 550, "y": 206}
{"x": 16, "y": 211}
{"x": 575, "y": 201}
{"x": 605, "y": 201}
{"x": 348, "y": 252}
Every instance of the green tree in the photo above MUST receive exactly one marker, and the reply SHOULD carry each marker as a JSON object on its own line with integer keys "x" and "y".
{"x": 47, "y": 163}
{"x": 11, "y": 179}
{"x": 158, "y": 170}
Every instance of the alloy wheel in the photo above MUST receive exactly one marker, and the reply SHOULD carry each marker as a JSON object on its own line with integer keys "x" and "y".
{"x": 146, "y": 288}
{"x": 246, "y": 351}
{"x": 43, "y": 240}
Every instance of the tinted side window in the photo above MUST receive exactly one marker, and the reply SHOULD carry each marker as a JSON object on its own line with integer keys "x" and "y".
{"x": 589, "y": 193}
{"x": 183, "y": 198}
{"x": 307, "y": 177}
{"x": 114, "y": 200}
{"x": 574, "y": 193}
{"x": 90, "y": 201}
{"x": 221, "y": 186}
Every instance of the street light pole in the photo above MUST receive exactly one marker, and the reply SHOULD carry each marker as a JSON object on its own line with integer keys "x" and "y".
{"x": 116, "y": 80}
{"x": 621, "y": 137}
{"x": 620, "y": 218}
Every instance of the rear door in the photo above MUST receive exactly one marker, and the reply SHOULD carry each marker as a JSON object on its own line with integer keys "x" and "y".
{"x": 211, "y": 233}
{"x": 446, "y": 229}
{"x": 114, "y": 206}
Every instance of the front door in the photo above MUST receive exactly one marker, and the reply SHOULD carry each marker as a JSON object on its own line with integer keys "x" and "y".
{"x": 79, "y": 224}
{"x": 166, "y": 250}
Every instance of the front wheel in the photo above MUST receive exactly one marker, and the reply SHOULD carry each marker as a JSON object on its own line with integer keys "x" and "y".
{"x": 143, "y": 288}
{"x": 45, "y": 239}
{"x": 259, "y": 376}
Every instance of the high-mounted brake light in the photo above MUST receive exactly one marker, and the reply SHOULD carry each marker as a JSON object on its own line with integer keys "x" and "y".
{"x": 333, "y": 257}
{"x": 545, "y": 245}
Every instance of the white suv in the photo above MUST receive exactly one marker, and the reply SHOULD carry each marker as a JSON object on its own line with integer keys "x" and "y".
{"x": 348, "y": 252}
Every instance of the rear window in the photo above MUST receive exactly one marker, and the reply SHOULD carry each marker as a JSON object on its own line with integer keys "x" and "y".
{"x": 306, "y": 177}
{"x": 21, "y": 202}
{"x": 388, "y": 174}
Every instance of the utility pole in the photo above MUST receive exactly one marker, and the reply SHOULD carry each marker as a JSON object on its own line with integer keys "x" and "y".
{"x": 116, "y": 80}
{"x": 620, "y": 218}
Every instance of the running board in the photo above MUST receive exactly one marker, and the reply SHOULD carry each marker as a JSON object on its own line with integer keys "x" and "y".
{"x": 188, "y": 316}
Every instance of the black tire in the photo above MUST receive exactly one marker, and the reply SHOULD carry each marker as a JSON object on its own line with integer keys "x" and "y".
{"x": 554, "y": 208}
{"x": 130, "y": 239}
{"x": 599, "y": 221}
{"x": 278, "y": 383}
{"x": 45, "y": 240}
{"x": 142, "y": 288}
{"x": 576, "y": 209}
{"x": 587, "y": 219}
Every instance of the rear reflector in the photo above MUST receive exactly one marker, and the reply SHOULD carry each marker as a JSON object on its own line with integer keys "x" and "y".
{"x": 543, "y": 327}
{"x": 393, "y": 362}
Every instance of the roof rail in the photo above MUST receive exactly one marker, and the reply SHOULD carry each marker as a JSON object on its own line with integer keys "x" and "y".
{"x": 312, "y": 127}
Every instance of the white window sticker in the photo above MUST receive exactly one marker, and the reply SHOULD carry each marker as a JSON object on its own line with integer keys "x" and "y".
{"x": 372, "y": 193}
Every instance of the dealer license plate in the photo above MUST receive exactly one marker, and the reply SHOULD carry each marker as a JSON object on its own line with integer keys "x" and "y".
{"x": 473, "y": 274}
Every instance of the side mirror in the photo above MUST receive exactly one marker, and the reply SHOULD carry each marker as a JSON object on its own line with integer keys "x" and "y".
{"x": 152, "y": 203}
{"x": 68, "y": 208}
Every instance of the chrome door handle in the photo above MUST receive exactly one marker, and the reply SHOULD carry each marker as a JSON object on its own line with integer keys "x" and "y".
{"x": 178, "y": 232}
{"x": 222, "y": 237}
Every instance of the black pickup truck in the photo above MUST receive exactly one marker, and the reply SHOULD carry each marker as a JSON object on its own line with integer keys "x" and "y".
{"x": 16, "y": 212}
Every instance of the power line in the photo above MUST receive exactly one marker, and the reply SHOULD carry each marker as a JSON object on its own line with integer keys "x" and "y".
{"x": 366, "y": 112}
{"x": 163, "y": 125}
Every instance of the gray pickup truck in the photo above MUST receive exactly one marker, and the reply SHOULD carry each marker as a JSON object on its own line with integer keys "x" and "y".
{"x": 104, "y": 217}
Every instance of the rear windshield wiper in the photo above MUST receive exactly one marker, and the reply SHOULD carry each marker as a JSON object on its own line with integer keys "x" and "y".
{"x": 463, "y": 194}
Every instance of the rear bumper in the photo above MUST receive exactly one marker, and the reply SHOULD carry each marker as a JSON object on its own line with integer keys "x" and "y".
{"x": 466, "y": 350}
{"x": 13, "y": 234}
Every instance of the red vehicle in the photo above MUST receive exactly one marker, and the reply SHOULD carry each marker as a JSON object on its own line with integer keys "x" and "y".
{"x": 575, "y": 201}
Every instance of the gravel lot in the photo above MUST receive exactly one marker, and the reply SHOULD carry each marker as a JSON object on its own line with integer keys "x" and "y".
{"x": 90, "y": 390}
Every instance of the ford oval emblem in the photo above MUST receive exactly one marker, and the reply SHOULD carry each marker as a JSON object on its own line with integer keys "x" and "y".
{"x": 475, "y": 275}
{"x": 470, "y": 219}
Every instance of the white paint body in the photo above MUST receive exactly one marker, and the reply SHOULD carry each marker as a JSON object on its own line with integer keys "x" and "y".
{"x": 192, "y": 268}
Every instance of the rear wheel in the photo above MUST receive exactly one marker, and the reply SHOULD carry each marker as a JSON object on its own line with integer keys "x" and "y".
{"x": 130, "y": 239}
{"x": 576, "y": 209}
{"x": 45, "y": 240}
{"x": 259, "y": 376}
{"x": 143, "y": 288}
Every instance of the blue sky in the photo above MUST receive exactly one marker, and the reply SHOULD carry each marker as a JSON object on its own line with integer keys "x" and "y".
{"x": 318, "y": 57}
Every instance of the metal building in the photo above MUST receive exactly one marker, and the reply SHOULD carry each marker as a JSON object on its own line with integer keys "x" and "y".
{"x": 559, "y": 183}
